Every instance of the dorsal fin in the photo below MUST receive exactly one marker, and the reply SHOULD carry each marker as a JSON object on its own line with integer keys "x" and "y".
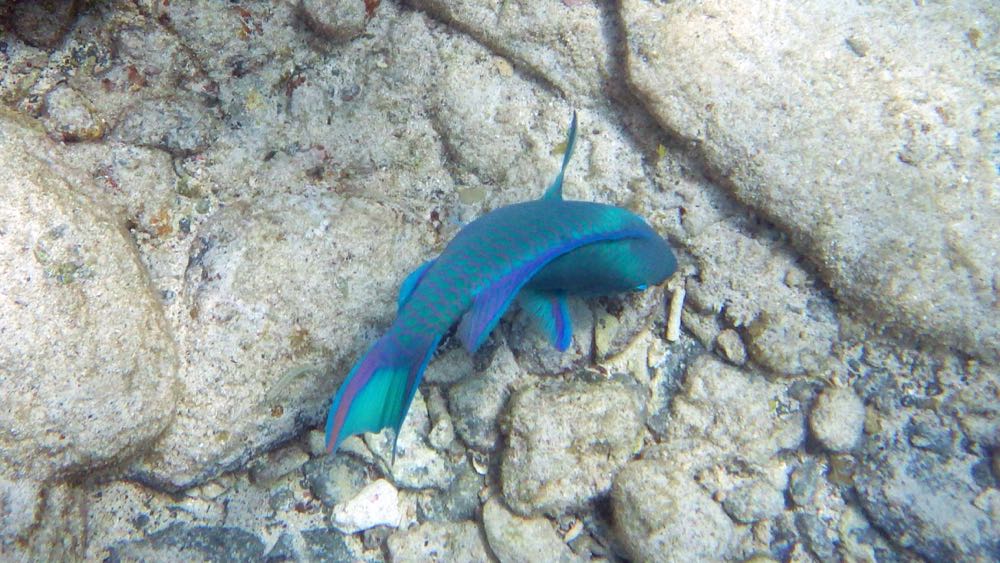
{"x": 555, "y": 189}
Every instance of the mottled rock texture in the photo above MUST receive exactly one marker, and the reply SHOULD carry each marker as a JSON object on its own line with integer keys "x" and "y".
{"x": 835, "y": 130}
{"x": 253, "y": 376}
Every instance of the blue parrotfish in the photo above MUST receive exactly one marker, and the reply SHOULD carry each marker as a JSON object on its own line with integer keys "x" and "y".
{"x": 538, "y": 252}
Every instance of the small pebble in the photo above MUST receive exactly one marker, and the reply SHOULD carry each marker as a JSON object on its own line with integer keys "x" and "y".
{"x": 71, "y": 117}
{"x": 753, "y": 502}
{"x": 813, "y": 531}
{"x": 802, "y": 482}
{"x": 316, "y": 441}
{"x": 837, "y": 419}
{"x": 511, "y": 537}
{"x": 731, "y": 346}
{"x": 504, "y": 68}
{"x": 442, "y": 434}
{"x": 842, "y": 468}
{"x": 338, "y": 21}
{"x": 376, "y": 505}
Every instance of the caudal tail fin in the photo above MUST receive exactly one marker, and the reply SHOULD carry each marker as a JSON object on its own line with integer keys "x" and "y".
{"x": 379, "y": 389}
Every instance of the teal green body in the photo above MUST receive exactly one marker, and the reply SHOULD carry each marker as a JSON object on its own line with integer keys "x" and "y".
{"x": 537, "y": 251}
{"x": 595, "y": 249}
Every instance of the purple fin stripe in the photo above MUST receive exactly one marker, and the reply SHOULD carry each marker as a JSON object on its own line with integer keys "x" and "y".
{"x": 560, "y": 312}
{"x": 492, "y": 301}
{"x": 356, "y": 380}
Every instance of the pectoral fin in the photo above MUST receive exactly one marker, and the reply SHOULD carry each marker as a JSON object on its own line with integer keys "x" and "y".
{"x": 411, "y": 282}
{"x": 492, "y": 302}
{"x": 551, "y": 313}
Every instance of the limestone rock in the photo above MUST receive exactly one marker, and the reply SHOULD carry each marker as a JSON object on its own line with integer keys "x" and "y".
{"x": 824, "y": 120}
{"x": 723, "y": 412}
{"x": 183, "y": 542}
{"x": 275, "y": 308}
{"x": 924, "y": 500}
{"x": 375, "y": 505}
{"x": 513, "y": 538}
{"x": 477, "y": 401}
{"x": 663, "y": 516}
{"x": 88, "y": 364}
{"x": 837, "y": 419}
{"x": 565, "y": 442}
{"x": 438, "y": 542}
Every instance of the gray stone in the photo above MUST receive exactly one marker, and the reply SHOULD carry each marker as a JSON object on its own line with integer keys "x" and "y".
{"x": 477, "y": 401}
{"x": 316, "y": 443}
{"x": 534, "y": 352}
{"x": 335, "y": 20}
{"x": 79, "y": 391}
{"x": 284, "y": 549}
{"x": 929, "y": 431}
{"x": 814, "y": 531}
{"x": 860, "y": 541}
{"x": 442, "y": 435}
{"x": 327, "y": 545}
{"x": 438, "y": 542}
{"x": 790, "y": 343}
{"x": 281, "y": 499}
{"x": 802, "y": 482}
{"x": 925, "y": 501}
{"x": 731, "y": 345}
{"x": 180, "y": 125}
{"x": 667, "y": 376}
{"x": 277, "y": 464}
{"x": 723, "y": 412}
{"x": 335, "y": 478}
{"x": 459, "y": 502}
{"x": 704, "y": 327}
{"x": 71, "y": 117}
{"x": 978, "y": 416}
{"x": 755, "y": 501}
{"x": 513, "y": 538}
{"x": 181, "y": 542}
{"x": 876, "y": 172}
{"x": 450, "y": 366}
{"x": 837, "y": 419}
{"x": 663, "y": 516}
{"x": 272, "y": 303}
{"x": 417, "y": 465}
{"x": 565, "y": 442}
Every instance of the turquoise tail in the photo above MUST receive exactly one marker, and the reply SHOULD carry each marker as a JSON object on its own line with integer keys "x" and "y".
{"x": 379, "y": 389}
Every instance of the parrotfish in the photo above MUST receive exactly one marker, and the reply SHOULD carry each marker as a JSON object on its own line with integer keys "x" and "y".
{"x": 538, "y": 252}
